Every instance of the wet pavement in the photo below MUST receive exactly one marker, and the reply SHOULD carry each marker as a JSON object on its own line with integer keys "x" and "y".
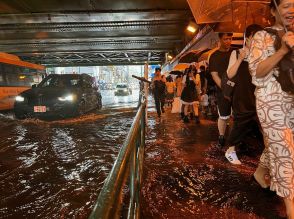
{"x": 56, "y": 169}
{"x": 187, "y": 176}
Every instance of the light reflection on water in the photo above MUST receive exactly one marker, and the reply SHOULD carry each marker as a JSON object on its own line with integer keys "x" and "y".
{"x": 56, "y": 169}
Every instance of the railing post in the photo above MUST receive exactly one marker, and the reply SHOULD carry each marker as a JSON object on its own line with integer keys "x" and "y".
{"x": 132, "y": 182}
{"x": 140, "y": 162}
{"x": 129, "y": 163}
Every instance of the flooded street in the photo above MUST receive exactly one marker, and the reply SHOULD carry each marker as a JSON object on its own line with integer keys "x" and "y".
{"x": 187, "y": 176}
{"x": 56, "y": 169}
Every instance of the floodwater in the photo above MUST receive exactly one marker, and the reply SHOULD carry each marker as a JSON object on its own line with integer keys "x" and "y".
{"x": 187, "y": 176}
{"x": 56, "y": 169}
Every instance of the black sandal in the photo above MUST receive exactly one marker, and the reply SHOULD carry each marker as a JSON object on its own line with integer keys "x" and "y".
{"x": 266, "y": 190}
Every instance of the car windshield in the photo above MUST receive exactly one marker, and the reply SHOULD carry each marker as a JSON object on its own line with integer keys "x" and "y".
{"x": 121, "y": 86}
{"x": 61, "y": 81}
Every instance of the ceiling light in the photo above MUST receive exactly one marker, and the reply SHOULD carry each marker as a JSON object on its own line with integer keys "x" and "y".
{"x": 192, "y": 27}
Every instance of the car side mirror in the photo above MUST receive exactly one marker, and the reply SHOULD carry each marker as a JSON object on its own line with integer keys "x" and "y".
{"x": 34, "y": 86}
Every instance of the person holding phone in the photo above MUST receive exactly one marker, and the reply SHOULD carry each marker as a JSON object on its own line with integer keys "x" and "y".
{"x": 243, "y": 99}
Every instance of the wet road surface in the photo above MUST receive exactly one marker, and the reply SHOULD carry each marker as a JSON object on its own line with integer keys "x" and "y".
{"x": 56, "y": 169}
{"x": 187, "y": 176}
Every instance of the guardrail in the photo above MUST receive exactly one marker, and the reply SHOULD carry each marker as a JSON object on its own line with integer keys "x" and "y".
{"x": 128, "y": 167}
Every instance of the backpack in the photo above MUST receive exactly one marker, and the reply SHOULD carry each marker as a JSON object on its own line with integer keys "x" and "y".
{"x": 285, "y": 66}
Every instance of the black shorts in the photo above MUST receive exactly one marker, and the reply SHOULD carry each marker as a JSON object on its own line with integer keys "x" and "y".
{"x": 224, "y": 106}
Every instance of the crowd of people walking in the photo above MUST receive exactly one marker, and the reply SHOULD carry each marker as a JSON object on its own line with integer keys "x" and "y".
{"x": 246, "y": 88}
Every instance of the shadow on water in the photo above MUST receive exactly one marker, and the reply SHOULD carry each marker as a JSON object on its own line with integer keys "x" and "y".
{"x": 56, "y": 169}
{"x": 187, "y": 176}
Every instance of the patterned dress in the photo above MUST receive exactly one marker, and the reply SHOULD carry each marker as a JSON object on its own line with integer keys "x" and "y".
{"x": 275, "y": 109}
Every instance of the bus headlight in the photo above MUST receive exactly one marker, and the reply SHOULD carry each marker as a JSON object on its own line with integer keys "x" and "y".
{"x": 69, "y": 98}
{"x": 19, "y": 98}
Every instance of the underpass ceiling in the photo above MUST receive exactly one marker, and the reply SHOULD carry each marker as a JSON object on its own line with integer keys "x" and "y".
{"x": 89, "y": 32}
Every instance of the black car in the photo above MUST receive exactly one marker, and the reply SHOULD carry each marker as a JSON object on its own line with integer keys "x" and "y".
{"x": 59, "y": 96}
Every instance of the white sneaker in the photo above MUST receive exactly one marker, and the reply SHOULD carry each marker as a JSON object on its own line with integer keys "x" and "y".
{"x": 232, "y": 157}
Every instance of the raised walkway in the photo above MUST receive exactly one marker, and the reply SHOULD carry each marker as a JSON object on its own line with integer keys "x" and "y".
{"x": 187, "y": 176}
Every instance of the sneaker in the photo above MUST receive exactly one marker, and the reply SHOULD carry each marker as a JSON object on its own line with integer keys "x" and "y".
{"x": 186, "y": 119}
{"x": 221, "y": 140}
{"x": 232, "y": 157}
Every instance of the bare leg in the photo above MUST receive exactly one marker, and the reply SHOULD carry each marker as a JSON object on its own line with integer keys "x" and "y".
{"x": 196, "y": 109}
{"x": 186, "y": 110}
{"x": 222, "y": 124}
{"x": 262, "y": 176}
{"x": 289, "y": 207}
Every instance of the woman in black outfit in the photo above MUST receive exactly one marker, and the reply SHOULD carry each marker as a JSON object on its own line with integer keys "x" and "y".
{"x": 189, "y": 95}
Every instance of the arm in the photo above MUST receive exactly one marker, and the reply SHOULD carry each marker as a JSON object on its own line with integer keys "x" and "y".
{"x": 216, "y": 78}
{"x": 213, "y": 66}
{"x": 204, "y": 88}
{"x": 235, "y": 63}
{"x": 268, "y": 64}
{"x": 261, "y": 62}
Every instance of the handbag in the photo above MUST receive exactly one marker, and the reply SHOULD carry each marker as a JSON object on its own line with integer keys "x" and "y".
{"x": 285, "y": 66}
{"x": 177, "y": 105}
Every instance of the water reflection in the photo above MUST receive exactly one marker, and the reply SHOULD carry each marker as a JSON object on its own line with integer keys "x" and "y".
{"x": 108, "y": 98}
{"x": 56, "y": 169}
{"x": 185, "y": 176}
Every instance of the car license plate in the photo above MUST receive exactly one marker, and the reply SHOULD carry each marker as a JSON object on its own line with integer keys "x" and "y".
{"x": 39, "y": 109}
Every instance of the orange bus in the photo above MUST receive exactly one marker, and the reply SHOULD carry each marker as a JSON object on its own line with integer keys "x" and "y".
{"x": 16, "y": 76}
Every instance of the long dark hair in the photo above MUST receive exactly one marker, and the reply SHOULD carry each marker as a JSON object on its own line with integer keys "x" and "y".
{"x": 252, "y": 29}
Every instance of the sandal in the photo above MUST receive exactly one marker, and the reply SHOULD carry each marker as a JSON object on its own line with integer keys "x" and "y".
{"x": 266, "y": 190}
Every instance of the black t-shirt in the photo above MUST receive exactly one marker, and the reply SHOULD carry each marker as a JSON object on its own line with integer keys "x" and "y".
{"x": 243, "y": 101}
{"x": 219, "y": 62}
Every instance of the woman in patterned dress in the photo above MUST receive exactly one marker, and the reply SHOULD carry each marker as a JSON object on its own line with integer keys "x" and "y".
{"x": 275, "y": 108}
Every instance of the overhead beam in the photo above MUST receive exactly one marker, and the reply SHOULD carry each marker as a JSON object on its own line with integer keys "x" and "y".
{"x": 141, "y": 62}
{"x": 86, "y": 16}
{"x": 78, "y": 39}
{"x": 127, "y": 57}
{"x": 104, "y": 57}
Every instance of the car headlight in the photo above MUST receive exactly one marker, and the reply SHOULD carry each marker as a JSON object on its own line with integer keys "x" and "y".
{"x": 19, "y": 98}
{"x": 69, "y": 98}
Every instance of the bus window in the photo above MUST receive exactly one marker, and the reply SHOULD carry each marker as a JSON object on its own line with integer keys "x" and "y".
{"x": 2, "y": 76}
{"x": 11, "y": 75}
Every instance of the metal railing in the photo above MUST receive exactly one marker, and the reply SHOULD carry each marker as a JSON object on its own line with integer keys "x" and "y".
{"x": 127, "y": 168}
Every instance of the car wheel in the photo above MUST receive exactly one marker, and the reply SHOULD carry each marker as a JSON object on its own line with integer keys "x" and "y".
{"x": 19, "y": 115}
{"x": 81, "y": 109}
